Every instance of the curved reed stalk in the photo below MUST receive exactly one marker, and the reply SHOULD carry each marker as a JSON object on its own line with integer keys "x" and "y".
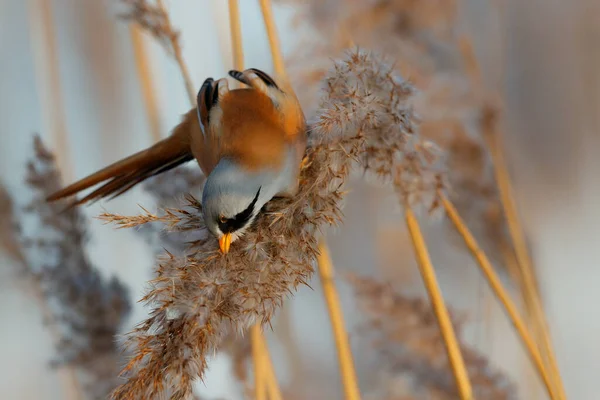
{"x": 142, "y": 63}
{"x": 189, "y": 85}
{"x": 494, "y": 281}
{"x": 325, "y": 266}
{"x": 342, "y": 343}
{"x": 531, "y": 293}
{"x": 530, "y": 290}
{"x": 276, "y": 55}
{"x": 271, "y": 379}
{"x": 264, "y": 375}
{"x": 236, "y": 35}
{"x": 45, "y": 54}
{"x": 42, "y": 25}
{"x": 437, "y": 301}
{"x": 258, "y": 348}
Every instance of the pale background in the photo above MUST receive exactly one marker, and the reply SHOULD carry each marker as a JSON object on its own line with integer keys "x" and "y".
{"x": 551, "y": 85}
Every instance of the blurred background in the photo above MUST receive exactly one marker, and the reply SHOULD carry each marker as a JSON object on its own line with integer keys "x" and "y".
{"x": 80, "y": 76}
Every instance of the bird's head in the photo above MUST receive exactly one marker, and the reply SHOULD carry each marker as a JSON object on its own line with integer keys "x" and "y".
{"x": 231, "y": 200}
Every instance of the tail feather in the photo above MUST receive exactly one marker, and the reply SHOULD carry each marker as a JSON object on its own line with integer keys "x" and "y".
{"x": 125, "y": 174}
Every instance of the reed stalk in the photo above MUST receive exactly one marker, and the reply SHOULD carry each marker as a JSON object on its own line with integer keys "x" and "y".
{"x": 260, "y": 376}
{"x": 264, "y": 374}
{"x": 439, "y": 307}
{"x": 276, "y": 54}
{"x": 325, "y": 266}
{"x": 178, "y": 55}
{"x": 142, "y": 64}
{"x": 351, "y": 390}
{"x": 528, "y": 281}
{"x": 47, "y": 70}
{"x": 531, "y": 294}
{"x": 273, "y": 389}
{"x": 47, "y": 65}
{"x": 501, "y": 293}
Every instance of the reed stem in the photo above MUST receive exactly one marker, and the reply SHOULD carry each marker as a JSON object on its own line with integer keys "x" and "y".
{"x": 264, "y": 373}
{"x": 47, "y": 66}
{"x": 270, "y": 377}
{"x": 47, "y": 71}
{"x": 142, "y": 64}
{"x": 340, "y": 335}
{"x": 260, "y": 387}
{"x": 494, "y": 281}
{"x": 531, "y": 293}
{"x": 439, "y": 307}
{"x": 276, "y": 55}
{"x": 236, "y": 35}
{"x": 177, "y": 53}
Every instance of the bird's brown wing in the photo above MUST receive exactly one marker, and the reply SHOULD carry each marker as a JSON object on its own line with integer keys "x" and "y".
{"x": 286, "y": 110}
{"x": 126, "y": 173}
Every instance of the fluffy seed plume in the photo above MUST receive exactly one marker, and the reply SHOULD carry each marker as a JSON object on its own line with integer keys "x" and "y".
{"x": 411, "y": 358}
{"x": 198, "y": 298}
{"x": 86, "y": 309}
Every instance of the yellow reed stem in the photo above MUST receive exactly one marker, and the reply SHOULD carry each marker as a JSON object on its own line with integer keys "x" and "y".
{"x": 494, "y": 281}
{"x": 264, "y": 374}
{"x": 142, "y": 64}
{"x": 177, "y": 53}
{"x": 439, "y": 307}
{"x": 260, "y": 388}
{"x": 531, "y": 293}
{"x": 45, "y": 53}
{"x": 269, "y": 20}
{"x": 348, "y": 373}
{"x": 340, "y": 335}
{"x": 236, "y": 35}
{"x": 47, "y": 68}
{"x": 270, "y": 377}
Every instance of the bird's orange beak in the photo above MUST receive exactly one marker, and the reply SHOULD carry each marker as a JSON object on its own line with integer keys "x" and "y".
{"x": 225, "y": 243}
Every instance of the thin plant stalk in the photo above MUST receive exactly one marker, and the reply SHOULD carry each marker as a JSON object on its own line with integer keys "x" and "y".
{"x": 531, "y": 293}
{"x": 271, "y": 378}
{"x": 439, "y": 307}
{"x": 325, "y": 266}
{"x": 494, "y": 281}
{"x": 177, "y": 53}
{"x": 264, "y": 375}
{"x": 530, "y": 290}
{"x": 47, "y": 65}
{"x": 334, "y": 307}
{"x": 260, "y": 384}
{"x": 48, "y": 76}
{"x": 236, "y": 35}
{"x": 276, "y": 55}
{"x": 142, "y": 64}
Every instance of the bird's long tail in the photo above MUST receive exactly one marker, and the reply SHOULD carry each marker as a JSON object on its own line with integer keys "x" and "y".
{"x": 126, "y": 173}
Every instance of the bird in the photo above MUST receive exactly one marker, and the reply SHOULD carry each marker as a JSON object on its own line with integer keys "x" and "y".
{"x": 249, "y": 142}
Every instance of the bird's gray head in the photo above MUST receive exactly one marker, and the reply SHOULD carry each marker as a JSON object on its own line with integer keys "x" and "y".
{"x": 231, "y": 199}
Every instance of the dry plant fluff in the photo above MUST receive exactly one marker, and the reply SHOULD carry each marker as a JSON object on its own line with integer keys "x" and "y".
{"x": 198, "y": 298}
{"x": 412, "y": 362}
{"x": 86, "y": 309}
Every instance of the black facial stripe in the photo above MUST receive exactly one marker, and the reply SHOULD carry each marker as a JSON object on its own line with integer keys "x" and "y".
{"x": 241, "y": 219}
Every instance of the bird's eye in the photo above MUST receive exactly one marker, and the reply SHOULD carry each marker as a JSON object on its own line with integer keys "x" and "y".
{"x": 222, "y": 219}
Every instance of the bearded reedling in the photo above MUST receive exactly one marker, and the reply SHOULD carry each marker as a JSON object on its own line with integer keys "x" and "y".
{"x": 249, "y": 142}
